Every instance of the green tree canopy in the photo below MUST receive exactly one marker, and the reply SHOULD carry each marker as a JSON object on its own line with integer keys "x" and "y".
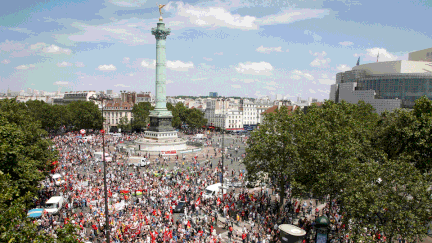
{"x": 272, "y": 149}
{"x": 330, "y": 139}
{"x": 195, "y": 118}
{"x": 408, "y": 133}
{"x": 26, "y": 158}
{"x": 391, "y": 197}
{"x": 141, "y": 112}
{"x": 25, "y": 154}
{"x": 85, "y": 115}
{"x": 124, "y": 124}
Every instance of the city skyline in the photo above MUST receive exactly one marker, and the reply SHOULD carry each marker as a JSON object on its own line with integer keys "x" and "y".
{"x": 233, "y": 48}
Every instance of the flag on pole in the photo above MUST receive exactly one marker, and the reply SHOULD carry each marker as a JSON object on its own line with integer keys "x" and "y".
{"x": 377, "y": 56}
{"x": 358, "y": 61}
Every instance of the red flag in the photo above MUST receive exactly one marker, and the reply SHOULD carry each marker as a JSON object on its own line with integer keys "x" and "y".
{"x": 218, "y": 201}
{"x": 198, "y": 201}
{"x": 189, "y": 225}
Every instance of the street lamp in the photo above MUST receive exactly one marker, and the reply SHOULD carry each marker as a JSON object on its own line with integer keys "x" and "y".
{"x": 223, "y": 139}
{"x": 103, "y": 97}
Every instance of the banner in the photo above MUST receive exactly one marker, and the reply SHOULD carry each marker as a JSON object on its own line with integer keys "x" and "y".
{"x": 169, "y": 152}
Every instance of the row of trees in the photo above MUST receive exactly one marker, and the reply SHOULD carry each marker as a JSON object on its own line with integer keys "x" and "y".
{"x": 377, "y": 166}
{"x": 26, "y": 158}
{"x": 86, "y": 115}
{"x": 74, "y": 116}
{"x": 193, "y": 118}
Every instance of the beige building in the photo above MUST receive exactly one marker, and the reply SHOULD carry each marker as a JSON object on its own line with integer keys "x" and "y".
{"x": 114, "y": 111}
{"x": 422, "y": 55}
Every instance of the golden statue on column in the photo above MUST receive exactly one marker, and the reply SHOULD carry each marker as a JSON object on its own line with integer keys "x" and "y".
{"x": 160, "y": 10}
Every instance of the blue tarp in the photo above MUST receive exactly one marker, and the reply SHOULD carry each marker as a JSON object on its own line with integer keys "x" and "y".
{"x": 35, "y": 213}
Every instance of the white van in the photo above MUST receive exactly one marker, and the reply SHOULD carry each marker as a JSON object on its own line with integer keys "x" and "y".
{"x": 98, "y": 156}
{"x": 58, "y": 180}
{"x": 138, "y": 161}
{"x": 213, "y": 190}
{"x": 54, "y": 204}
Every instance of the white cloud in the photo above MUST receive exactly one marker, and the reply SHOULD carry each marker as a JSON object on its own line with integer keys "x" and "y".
{"x": 327, "y": 81}
{"x": 24, "y": 67}
{"x": 346, "y": 43}
{"x": 268, "y": 50}
{"x": 384, "y": 55}
{"x": 324, "y": 91}
{"x": 218, "y": 53}
{"x": 131, "y": 74}
{"x": 320, "y": 61}
{"x": 269, "y": 88}
{"x": 179, "y": 65}
{"x": 297, "y": 75}
{"x": 169, "y": 81}
{"x": 312, "y": 91}
{"x": 236, "y": 86}
{"x": 272, "y": 83}
{"x": 147, "y": 64}
{"x": 208, "y": 59}
{"x": 196, "y": 79}
{"x": 6, "y": 61}
{"x": 213, "y": 16}
{"x": 219, "y": 16}
{"x": 122, "y": 85}
{"x": 255, "y": 68}
{"x": 79, "y": 64}
{"x": 316, "y": 37}
{"x": 51, "y": 49}
{"x": 343, "y": 67}
{"x": 61, "y": 83}
{"x": 249, "y": 80}
{"x": 292, "y": 15}
{"x": 126, "y": 60}
{"x": 107, "y": 67}
{"x": 128, "y": 3}
{"x": 64, "y": 64}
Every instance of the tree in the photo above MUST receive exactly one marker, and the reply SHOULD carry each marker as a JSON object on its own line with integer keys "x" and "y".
{"x": 391, "y": 197}
{"x": 25, "y": 160}
{"x": 85, "y": 115}
{"x": 182, "y": 112}
{"x": 175, "y": 122}
{"x": 272, "y": 149}
{"x": 331, "y": 138}
{"x": 195, "y": 118}
{"x": 25, "y": 154}
{"x": 141, "y": 112}
{"x": 408, "y": 133}
{"x": 124, "y": 124}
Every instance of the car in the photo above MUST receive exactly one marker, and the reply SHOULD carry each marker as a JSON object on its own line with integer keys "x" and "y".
{"x": 180, "y": 207}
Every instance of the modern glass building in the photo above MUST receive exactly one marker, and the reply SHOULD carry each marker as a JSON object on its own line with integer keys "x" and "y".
{"x": 388, "y": 85}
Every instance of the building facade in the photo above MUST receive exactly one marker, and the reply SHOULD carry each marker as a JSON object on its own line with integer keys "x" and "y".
{"x": 385, "y": 85}
{"x": 73, "y": 96}
{"x": 114, "y": 111}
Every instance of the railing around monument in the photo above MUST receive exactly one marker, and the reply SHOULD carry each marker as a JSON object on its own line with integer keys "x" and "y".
{"x": 195, "y": 143}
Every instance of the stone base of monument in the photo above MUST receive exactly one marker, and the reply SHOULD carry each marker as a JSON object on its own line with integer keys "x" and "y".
{"x": 168, "y": 146}
{"x": 160, "y": 135}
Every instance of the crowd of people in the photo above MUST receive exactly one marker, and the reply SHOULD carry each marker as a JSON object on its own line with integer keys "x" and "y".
{"x": 142, "y": 200}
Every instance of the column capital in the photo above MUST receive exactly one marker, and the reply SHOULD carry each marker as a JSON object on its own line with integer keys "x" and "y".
{"x": 160, "y": 34}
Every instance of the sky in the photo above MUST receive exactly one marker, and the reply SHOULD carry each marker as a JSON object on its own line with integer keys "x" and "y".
{"x": 247, "y": 48}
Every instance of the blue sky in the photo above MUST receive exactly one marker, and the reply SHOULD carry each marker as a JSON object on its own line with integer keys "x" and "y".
{"x": 240, "y": 47}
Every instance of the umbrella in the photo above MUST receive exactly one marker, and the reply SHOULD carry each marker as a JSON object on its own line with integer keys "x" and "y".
{"x": 35, "y": 213}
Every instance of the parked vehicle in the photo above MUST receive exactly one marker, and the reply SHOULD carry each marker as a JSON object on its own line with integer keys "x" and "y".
{"x": 138, "y": 161}
{"x": 58, "y": 180}
{"x": 180, "y": 207}
{"x": 54, "y": 204}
